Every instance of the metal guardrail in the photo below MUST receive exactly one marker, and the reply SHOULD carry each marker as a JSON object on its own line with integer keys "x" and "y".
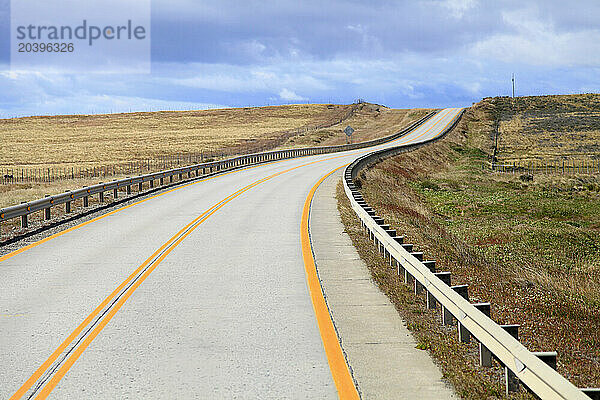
{"x": 535, "y": 370}
{"x": 46, "y": 203}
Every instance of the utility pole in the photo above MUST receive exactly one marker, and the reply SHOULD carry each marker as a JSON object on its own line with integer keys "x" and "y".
{"x": 513, "y": 85}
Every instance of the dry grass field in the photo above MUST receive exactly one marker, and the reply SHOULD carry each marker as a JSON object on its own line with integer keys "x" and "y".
{"x": 88, "y": 141}
{"x": 96, "y": 140}
{"x": 531, "y": 248}
{"x": 565, "y": 127}
{"x": 61, "y": 142}
{"x": 370, "y": 121}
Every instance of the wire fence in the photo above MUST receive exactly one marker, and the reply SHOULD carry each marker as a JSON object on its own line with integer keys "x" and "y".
{"x": 561, "y": 167}
{"x": 11, "y": 175}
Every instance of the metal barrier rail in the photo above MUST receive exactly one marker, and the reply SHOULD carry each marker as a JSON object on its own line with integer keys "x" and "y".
{"x": 535, "y": 370}
{"x": 46, "y": 203}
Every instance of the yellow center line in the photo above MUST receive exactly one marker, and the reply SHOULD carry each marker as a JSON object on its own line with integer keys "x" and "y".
{"x": 164, "y": 250}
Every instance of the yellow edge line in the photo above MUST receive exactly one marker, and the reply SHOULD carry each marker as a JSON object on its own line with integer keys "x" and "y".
{"x": 335, "y": 357}
{"x": 198, "y": 220}
{"x": 34, "y": 244}
{"x": 207, "y": 213}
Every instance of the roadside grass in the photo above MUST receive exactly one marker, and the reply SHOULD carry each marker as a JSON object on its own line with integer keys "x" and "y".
{"x": 531, "y": 248}
{"x": 547, "y": 127}
{"x": 457, "y": 361}
{"x": 105, "y": 139}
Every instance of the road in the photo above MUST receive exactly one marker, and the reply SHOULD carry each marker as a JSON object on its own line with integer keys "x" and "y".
{"x": 200, "y": 291}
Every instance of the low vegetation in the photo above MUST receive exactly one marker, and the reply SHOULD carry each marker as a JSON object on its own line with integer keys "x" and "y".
{"x": 101, "y": 140}
{"x": 547, "y": 128}
{"x": 530, "y": 246}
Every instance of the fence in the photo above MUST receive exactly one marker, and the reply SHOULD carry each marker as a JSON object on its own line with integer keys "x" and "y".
{"x": 562, "y": 167}
{"x": 10, "y": 175}
{"x": 176, "y": 175}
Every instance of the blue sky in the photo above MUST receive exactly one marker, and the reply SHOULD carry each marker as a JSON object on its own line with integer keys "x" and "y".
{"x": 432, "y": 53}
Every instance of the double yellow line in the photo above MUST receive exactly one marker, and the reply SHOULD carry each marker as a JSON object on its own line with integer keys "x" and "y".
{"x": 339, "y": 369}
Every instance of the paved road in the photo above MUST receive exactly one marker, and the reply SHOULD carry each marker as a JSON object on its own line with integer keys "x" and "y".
{"x": 200, "y": 292}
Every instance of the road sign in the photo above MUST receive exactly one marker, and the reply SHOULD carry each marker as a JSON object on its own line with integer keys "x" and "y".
{"x": 348, "y": 131}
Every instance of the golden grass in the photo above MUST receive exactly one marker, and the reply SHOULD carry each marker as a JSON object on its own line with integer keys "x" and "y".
{"x": 370, "y": 121}
{"x": 91, "y": 140}
{"x": 96, "y": 140}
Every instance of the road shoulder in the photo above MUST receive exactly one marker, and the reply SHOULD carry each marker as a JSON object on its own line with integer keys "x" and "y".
{"x": 379, "y": 349}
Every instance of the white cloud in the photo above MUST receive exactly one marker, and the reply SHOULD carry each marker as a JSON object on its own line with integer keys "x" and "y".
{"x": 537, "y": 42}
{"x": 289, "y": 95}
{"x": 458, "y": 8}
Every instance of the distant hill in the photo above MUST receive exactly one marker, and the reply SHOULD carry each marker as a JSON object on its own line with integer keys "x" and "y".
{"x": 544, "y": 127}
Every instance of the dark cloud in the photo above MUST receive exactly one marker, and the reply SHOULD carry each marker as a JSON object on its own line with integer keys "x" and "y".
{"x": 321, "y": 30}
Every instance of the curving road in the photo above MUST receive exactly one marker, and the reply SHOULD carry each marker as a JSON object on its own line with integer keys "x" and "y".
{"x": 198, "y": 292}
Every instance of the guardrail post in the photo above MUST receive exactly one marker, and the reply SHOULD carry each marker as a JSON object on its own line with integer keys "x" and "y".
{"x": 151, "y": 183}
{"x": 171, "y": 178}
{"x": 86, "y": 202}
{"x": 128, "y": 189}
{"x": 549, "y": 357}
{"x": 67, "y": 205}
{"x": 162, "y": 180}
{"x": 592, "y": 393}
{"x": 101, "y": 196}
{"x": 445, "y": 277}
{"x": 463, "y": 334}
{"x": 180, "y": 176}
{"x": 115, "y": 193}
{"x": 140, "y": 186}
{"x": 485, "y": 355}
{"x": 511, "y": 380}
{"x": 47, "y": 211}
{"x": 24, "y": 218}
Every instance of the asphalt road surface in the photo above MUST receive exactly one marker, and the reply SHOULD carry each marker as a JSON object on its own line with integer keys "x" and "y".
{"x": 198, "y": 292}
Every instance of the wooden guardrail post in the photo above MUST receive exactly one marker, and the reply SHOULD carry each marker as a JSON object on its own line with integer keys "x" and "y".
{"x": 86, "y": 202}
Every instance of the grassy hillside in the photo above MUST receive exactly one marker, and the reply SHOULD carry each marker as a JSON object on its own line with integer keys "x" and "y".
{"x": 545, "y": 127}
{"x": 94, "y": 140}
{"x": 530, "y": 248}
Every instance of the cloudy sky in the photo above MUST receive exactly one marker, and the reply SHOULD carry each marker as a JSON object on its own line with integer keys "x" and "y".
{"x": 431, "y": 53}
